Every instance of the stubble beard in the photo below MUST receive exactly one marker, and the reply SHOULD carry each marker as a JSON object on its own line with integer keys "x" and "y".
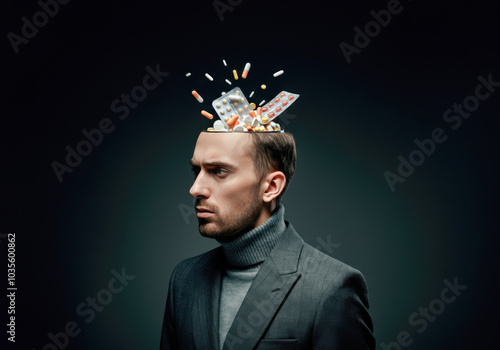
{"x": 234, "y": 223}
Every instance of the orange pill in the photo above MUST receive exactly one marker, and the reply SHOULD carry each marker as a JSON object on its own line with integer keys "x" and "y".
{"x": 245, "y": 71}
{"x": 259, "y": 111}
{"x": 197, "y": 96}
{"x": 206, "y": 114}
{"x": 232, "y": 120}
{"x": 252, "y": 114}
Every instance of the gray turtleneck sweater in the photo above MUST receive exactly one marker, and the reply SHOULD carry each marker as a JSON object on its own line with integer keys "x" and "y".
{"x": 244, "y": 256}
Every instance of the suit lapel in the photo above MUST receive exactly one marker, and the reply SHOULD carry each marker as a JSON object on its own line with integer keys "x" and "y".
{"x": 273, "y": 282}
{"x": 206, "y": 303}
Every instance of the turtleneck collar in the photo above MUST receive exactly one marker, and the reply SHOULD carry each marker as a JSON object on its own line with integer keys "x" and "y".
{"x": 254, "y": 246}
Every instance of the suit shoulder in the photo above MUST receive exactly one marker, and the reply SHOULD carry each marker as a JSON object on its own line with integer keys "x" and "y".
{"x": 196, "y": 263}
{"x": 319, "y": 264}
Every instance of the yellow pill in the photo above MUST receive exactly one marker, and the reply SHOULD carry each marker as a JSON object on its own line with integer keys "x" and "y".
{"x": 263, "y": 86}
{"x": 253, "y": 105}
{"x": 265, "y": 119}
{"x": 235, "y": 74}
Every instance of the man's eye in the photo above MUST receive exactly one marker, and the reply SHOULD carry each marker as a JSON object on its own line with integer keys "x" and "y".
{"x": 219, "y": 171}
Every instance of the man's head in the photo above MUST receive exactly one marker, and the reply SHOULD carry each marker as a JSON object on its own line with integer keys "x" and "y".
{"x": 240, "y": 179}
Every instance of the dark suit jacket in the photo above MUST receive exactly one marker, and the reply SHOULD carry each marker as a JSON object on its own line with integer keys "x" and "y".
{"x": 300, "y": 299}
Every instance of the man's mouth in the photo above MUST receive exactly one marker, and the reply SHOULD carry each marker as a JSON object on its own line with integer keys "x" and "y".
{"x": 203, "y": 212}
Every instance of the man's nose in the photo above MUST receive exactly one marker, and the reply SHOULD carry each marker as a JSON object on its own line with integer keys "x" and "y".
{"x": 199, "y": 188}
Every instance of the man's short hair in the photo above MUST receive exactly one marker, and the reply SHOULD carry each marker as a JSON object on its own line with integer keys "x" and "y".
{"x": 273, "y": 151}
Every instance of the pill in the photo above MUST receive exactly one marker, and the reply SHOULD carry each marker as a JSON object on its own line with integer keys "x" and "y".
{"x": 222, "y": 112}
{"x": 251, "y": 94}
{"x": 232, "y": 120}
{"x": 188, "y": 74}
{"x": 197, "y": 96}
{"x": 234, "y": 98}
{"x": 271, "y": 115}
{"x": 263, "y": 86}
{"x": 218, "y": 105}
{"x": 282, "y": 94}
{"x": 264, "y": 109}
{"x": 245, "y": 71}
{"x": 239, "y": 128}
{"x": 276, "y": 99}
{"x": 259, "y": 111}
{"x": 290, "y": 97}
{"x": 278, "y": 73}
{"x": 240, "y": 110}
{"x": 255, "y": 122}
{"x": 218, "y": 125}
{"x": 284, "y": 103}
{"x": 270, "y": 104}
{"x": 209, "y": 77}
{"x": 252, "y": 114}
{"x": 224, "y": 61}
{"x": 224, "y": 101}
{"x": 265, "y": 119}
{"x": 247, "y": 120}
{"x": 206, "y": 114}
{"x": 278, "y": 109}
{"x": 246, "y": 107}
{"x": 235, "y": 74}
{"x": 262, "y": 102}
{"x": 253, "y": 105}
{"x": 235, "y": 104}
{"x": 228, "y": 82}
{"x": 238, "y": 92}
{"x": 228, "y": 109}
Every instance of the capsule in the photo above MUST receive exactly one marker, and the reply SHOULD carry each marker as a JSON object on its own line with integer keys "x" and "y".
{"x": 251, "y": 94}
{"x": 206, "y": 114}
{"x": 235, "y": 74}
{"x": 225, "y": 64}
{"x": 188, "y": 74}
{"x": 234, "y": 98}
{"x": 278, "y": 73}
{"x": 232, "y": 120}
{"x": 197, "y": 96}
{"x": 245, "y": 71}
{"x": 209, "y": 77}
{"x": 228, "y": 82}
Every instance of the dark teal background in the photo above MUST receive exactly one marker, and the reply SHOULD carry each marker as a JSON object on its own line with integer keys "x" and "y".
{"x": 120, "y": 207}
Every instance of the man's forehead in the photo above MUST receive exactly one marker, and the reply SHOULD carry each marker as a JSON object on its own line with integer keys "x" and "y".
{"x": 222, "y": 147}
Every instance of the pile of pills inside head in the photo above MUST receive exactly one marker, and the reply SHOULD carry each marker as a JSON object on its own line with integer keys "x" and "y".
{"x": 238, "y": 115}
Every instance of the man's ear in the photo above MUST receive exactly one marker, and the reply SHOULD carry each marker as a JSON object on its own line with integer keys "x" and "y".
{"x": 273, "y": 184}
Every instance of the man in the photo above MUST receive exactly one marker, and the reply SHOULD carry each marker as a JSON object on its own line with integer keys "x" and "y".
{"x": 264, "y": 287}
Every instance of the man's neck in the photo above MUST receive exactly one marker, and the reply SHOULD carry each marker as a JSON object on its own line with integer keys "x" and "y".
{"x": 255, "y": 245}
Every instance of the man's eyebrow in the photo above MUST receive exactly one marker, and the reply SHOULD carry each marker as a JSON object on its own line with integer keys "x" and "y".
{"x": 211, "y": 164}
